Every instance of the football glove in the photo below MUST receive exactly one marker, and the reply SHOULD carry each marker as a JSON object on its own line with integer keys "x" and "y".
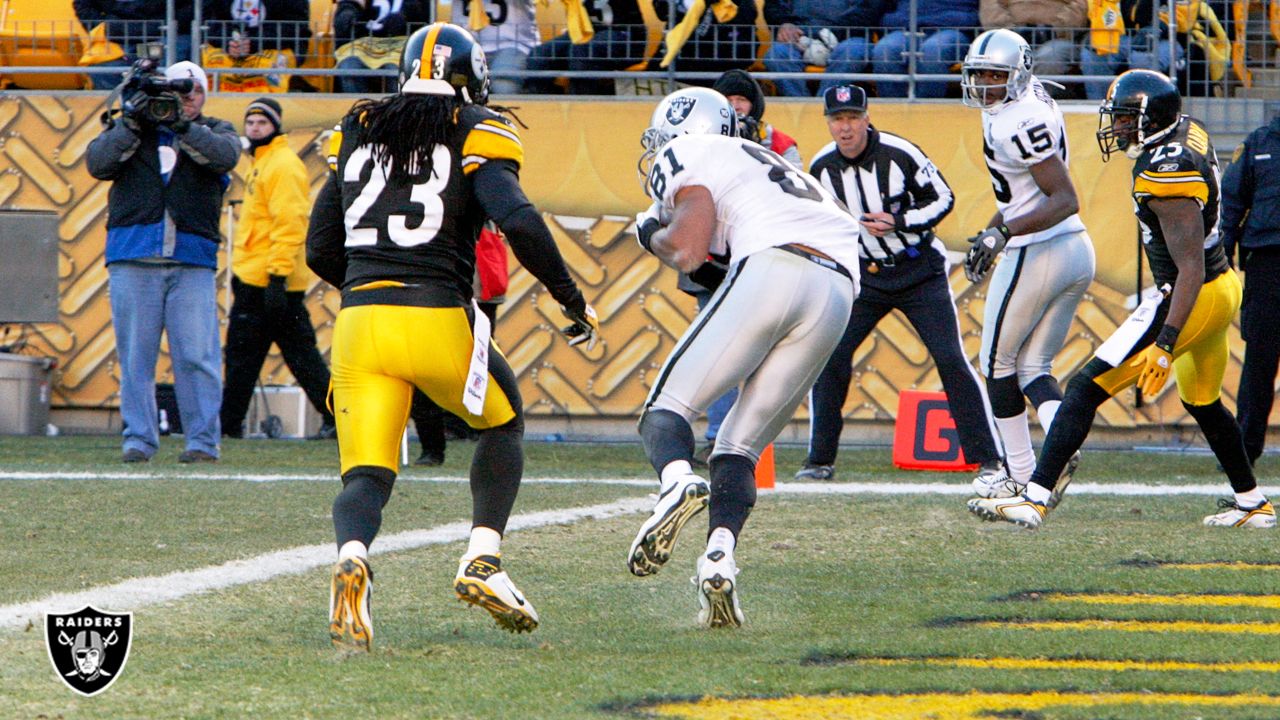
{"x": 1156, "y": 362}
{"x": 985, "y": 246}
{"x": 648, "y": 223}
{"x": 585, "y": 327}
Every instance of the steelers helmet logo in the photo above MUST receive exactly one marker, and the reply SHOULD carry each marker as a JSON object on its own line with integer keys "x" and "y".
{"x": 679, "y": 109}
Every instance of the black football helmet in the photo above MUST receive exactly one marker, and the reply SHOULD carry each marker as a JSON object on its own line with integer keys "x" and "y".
{"x": 1141, "y": 108}
{"x": 443, "y": 59}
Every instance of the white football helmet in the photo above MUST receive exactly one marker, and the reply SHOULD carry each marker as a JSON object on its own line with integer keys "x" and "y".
{"x": 1002, "y": 50}
{"x": 691, "y": 111}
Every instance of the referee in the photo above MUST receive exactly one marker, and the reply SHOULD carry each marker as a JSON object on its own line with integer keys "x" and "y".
{"x": 899, "y": 196}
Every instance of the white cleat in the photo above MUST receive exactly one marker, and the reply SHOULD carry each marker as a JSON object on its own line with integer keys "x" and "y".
{"x": 995, "y": 482}
{"x": 1261, "y": 517}
{"x": 718, "y": 591}
{"x": 481, "y": 581}
{"x": 1068, "y": 474}
{"x": 657, "y": 537}
{"x": 1021, "y": 510}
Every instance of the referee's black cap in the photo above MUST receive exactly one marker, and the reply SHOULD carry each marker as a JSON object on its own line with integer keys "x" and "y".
{"x": 844, "y": 97}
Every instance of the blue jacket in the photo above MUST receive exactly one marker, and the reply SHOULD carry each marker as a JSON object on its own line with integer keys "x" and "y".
{"x": 141, "y": 191}
{"x": 835, "y": 15}
{"x": 1251, "y": 192}
{"x": 935, "y": 14}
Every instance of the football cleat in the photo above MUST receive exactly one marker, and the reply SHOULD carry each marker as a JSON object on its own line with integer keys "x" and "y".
{"x": 482, "y": 582}
{"x": 1232, "y": 515}
{"x": 1019, "y": 510}
{"x": 1068, "y": 474}
{"x": 718, "y": 591}
{"x": 350, "y": 623}
{"x": 817, "y": 472}
{"x": 994, "y": 481}
{"x": 657, "y": 537}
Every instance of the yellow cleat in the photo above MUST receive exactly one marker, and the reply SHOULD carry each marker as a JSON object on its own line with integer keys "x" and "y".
{"x": 350, "y": 623}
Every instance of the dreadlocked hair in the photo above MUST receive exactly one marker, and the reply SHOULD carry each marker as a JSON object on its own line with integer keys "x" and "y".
{"x": 403, "y": 129}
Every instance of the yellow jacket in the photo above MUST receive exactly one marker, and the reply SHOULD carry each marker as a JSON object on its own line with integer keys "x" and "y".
{"x": 272, "y": 230}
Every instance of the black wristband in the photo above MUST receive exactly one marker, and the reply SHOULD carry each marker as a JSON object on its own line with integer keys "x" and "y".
{"x": 645, "y": 233}
{"x": 1004, "y": 230}
{"x": 1167, "y": 338}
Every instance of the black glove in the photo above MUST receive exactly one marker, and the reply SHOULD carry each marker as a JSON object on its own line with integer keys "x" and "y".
{"x": 181, "y": 125}
{"x": 274, "y": 301}
{"x": 647, "y": 223}
{"x": 986, "y": 245}
{"x": 585, "y": 327}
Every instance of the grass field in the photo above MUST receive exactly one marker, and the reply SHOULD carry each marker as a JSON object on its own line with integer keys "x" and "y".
{"x": 867, "y": 604}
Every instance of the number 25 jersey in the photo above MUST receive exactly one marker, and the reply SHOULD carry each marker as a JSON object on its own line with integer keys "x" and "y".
{"x": 410, "y": 238}
{"x": 761, "y": 200}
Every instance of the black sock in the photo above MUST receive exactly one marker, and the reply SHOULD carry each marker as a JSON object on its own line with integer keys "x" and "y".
{"x": 1226, "y": 441}
{"x": 1042, "y": 390}
{"x": 1006, "y": 397}
{"x": 733, "y": 491}
{"x": 1070, "y": 427}
{"x": 496, "y": 470}
{"x": 357, "y": 511}
{"x": 667, "y": 437}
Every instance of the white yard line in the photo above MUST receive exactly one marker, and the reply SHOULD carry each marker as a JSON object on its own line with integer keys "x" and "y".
{"x": 141, "y": 592}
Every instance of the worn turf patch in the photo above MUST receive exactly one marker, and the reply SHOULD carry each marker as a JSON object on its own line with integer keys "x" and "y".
{"x": 946, "y": 706}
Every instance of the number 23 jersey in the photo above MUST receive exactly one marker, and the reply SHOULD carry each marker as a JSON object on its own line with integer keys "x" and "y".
{"x": 761, "y": 200}
{"x": 416, "y": 234}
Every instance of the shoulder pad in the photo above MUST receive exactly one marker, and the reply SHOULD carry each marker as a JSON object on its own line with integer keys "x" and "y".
{"x": 1171, "y": 177}
{"x": 490, "y": 136}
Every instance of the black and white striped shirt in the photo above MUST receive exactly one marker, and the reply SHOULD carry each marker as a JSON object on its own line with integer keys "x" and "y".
{"x": 891, "y": 175}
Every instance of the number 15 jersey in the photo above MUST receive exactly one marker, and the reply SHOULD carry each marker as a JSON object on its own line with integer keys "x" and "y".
{"x": 762, "y": 201}
{"x": 1015, "y": 137}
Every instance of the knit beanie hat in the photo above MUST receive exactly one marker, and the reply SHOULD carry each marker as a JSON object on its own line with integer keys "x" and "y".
{"x": 268, "y": 108}
{"x": 740, "y": 82}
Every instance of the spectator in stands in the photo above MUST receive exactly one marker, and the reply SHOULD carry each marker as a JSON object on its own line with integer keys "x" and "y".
{"x": 946, "y": 26}
{"x": 259, "y": 35}
{"x": 369, "y": 36}
{"x": 129, "y": 24}
{"x": 167, "y": 181}
{"x": 799, "y": 40}
{"x": 270, "y": 275}
{"x": 1049, "y": 26}
{"x": 1124, "y": 35}
{"x": 708, "y": 36}
{"x": 507, "y": 32}
{"x": 601, "y": 35}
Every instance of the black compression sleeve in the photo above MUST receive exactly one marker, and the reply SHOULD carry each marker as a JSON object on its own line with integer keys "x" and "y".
{"x": 326, "y": 236}
{"x": 497, "y": 187}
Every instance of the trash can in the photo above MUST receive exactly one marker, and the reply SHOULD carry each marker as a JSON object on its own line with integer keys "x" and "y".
{"x": 24, "y": 394}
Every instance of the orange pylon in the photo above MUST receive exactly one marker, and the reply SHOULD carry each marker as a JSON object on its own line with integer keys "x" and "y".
{"x": 764, "y": 469}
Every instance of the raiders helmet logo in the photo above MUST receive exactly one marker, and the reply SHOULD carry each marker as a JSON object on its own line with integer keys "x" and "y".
{"x": 88, "y": 648}
{"x": 679, "y": 109}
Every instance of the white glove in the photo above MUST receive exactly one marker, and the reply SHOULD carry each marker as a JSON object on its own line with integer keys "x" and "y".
{"x": 817, "y": 50}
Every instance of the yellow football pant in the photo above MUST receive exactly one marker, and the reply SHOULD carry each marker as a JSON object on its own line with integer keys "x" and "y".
{"x": 380, "y": 352}
{"x": 1202, "y": 351}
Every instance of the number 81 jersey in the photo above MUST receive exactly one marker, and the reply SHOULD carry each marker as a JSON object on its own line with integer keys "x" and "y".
{"x": 419, "y": 230}
{"x": 1015, "y": 137}
{"x": 761, "y": 200}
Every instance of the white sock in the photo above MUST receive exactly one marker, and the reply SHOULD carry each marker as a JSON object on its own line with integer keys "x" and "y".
{"x": 1038, "y": 493}
{"x": 1250, "y": 499}
{"x": 1047, "y": 411}
{"x": 484, "y": 541}
{"x": 674, "y": 470}
{"x": 1018, "y": 453}
{"x": 353, "y": 548}
{"x": 723, "y": 540}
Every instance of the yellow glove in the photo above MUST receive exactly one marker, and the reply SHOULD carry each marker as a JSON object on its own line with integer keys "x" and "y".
{"x": 1156, "y": 361}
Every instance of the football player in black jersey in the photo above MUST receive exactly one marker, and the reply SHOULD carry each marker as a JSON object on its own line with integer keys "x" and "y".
{"x": 414, "y": 176}
{"x": 1181, "y": 324}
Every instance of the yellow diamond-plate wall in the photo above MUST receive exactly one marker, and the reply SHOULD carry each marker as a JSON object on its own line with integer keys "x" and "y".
{"x": 580, "y": 160}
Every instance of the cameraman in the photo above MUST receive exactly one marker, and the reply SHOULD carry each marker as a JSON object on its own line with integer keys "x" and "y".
{"x": 162, "y": 242}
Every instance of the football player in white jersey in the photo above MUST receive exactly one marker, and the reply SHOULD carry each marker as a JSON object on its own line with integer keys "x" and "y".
{"x": 775, "y": 317}
{"x": 1049, "y": 260}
